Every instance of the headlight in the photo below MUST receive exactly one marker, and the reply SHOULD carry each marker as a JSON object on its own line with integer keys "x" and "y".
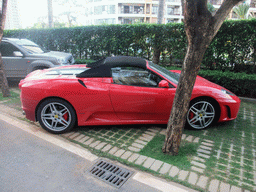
{"x": 61, "y": 60}
{"x": 227, "y": 93}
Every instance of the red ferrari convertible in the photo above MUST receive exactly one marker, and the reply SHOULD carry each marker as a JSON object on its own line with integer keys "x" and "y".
{"x": 118, "y": 90}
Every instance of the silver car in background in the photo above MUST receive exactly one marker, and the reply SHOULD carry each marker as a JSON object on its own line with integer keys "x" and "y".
{"x": 21, "y": 56}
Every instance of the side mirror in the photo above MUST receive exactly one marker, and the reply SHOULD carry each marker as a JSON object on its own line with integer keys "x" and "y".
{"x": 163, "y": 84}
{"x": 17, "y": 54}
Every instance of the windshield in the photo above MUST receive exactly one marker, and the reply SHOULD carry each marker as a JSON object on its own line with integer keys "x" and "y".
{"x": 173, "y": 77}
{"x": 30, "y": 46}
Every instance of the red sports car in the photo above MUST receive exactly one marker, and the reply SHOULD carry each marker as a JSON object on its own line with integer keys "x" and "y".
{"x": 118, "y": 90}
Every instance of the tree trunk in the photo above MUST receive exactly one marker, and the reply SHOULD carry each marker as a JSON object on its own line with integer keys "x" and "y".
{"x": 160, "y": 18}
{"x": 156, "y": 56}
{"x": 50, "y": 13}
{"x": 200, "y": 27}
{"x": 3, "y": 82}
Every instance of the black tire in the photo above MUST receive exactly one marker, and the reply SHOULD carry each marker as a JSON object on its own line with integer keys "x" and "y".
{"x": 202, "y": 113}
{"x": 56, "y": 116}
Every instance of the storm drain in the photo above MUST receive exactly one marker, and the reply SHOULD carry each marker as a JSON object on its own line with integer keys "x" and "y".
{"x": 110, "y": 173}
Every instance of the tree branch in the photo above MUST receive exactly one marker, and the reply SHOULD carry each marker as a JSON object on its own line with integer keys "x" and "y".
{"x": 223, "y": 12}
{"x": 3, "y": 14}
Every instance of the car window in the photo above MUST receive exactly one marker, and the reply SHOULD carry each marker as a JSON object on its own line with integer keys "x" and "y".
{"x": 134, "y": 76}
{"x": 7, "y": 49}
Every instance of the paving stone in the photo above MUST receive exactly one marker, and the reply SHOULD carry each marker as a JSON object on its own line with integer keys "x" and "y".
{"x": 150, "y": 133}
{"x": 147, "y": 136}
{"x": 155, "y": 129}
{"x": 94, "y": 144}
{"x": 165, "y": 168}
{"x": 140, "y": 160}
{"x": 106, "y": 148}
{"x": 133, "y": 157}
{"x": 144, "y": 138}
{"x": 214, "y": 185}
{"x": 197, "y": 169}
{"x": 67, "y": 134}
{"x": 206, "y": 148}
{"x": 183, "y": 175}
{"x": 202, "y": 182}
{"x": 148, "y": 162}
{"x": 199, "y": 159}
{"x": 79, "y": 137}
{"x": 189, "y": 138}
{"x": 119, "y": 153}
{"x": 88, "y": 142}
{"x": 140, "y": 141}
{"x": 208, "y": 144}
{"x": 209, "y": 141}
{"x": 163, "y": 132}
{"x": 126, "y": 154}
{"x": 183, "y": 137}
{"x": 174, "y": 171}
{"x": 84, "y": 139}
{"x": 203, "y": 151}
{"x": 156, "y": 165}
{"x": 235, "y": 189}
{"x": 196, "y": 140}
{"x": 113, "y": 150}
{"x": 192, "y": 178}
{"x": 138, "y": 145}
{"x": 224, "y": 187}
{"x": 135, "y": 149}
{"x": 74, "y": 135}
{"x": 203, "y": 155}
{"x": 98, "y": 147}
{"x": 198, "y": 164}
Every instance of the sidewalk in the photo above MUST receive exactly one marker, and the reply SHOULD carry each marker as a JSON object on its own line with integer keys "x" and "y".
{"x": 223, "y": 162}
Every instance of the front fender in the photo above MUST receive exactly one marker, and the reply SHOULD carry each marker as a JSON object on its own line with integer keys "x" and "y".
{"x": 39, "y": 63}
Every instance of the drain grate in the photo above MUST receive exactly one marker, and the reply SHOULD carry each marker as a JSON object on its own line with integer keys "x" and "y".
{"x": 110, "y": 173}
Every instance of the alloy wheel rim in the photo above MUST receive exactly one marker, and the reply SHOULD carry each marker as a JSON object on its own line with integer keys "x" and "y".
{"x": 56, "y": 116}
{"x": 200, "y": 115}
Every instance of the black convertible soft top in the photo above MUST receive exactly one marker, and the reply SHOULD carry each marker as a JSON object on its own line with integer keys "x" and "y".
{"x": 102, "y": 68}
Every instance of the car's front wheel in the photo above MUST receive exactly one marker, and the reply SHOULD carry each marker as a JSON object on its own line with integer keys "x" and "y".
{"x": 201, "y": 114}
{"x": 56, "y": 115}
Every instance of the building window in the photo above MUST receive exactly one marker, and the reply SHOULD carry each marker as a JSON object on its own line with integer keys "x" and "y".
{"x": 126, "y": 9}
{"x": 105, "y": 21}
{"x": 154, "y": 10}
{"x": 104, "y": 9}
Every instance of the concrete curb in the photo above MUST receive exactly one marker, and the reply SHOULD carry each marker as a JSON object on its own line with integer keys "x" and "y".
{"x": 248, "y": 99}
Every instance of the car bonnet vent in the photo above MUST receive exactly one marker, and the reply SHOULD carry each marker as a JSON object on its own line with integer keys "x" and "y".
{"x": 110, "y": 173}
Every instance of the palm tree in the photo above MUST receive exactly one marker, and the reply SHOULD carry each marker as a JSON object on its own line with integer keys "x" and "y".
{"x": 160, "y": 18}
{"x": 50, "y": 14}
{"x": 242, "y": 11}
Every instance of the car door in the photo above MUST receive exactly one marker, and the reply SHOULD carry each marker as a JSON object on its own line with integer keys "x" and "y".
{"x": 135, "y": 95}
{"x": 15, "y": 65}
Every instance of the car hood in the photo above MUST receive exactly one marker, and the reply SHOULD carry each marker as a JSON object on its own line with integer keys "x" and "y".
{"x": 200, "y": 81}
{"x": 66, "y": 58}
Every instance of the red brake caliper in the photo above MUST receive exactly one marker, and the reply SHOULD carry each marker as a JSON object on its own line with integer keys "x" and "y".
{"x": 65, "y": 116}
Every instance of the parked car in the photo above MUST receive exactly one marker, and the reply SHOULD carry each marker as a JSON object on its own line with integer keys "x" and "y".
{"x": 21, "y": 56}
{"x": 118, "y": 90}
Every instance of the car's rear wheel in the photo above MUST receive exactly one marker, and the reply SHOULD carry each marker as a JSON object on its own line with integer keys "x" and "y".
{"x": 56, "y": 115}
{"x": 201, "y": 114}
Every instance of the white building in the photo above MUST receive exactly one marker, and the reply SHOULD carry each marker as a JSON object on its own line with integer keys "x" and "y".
{"x": 12, "y": 17}
{"x": 130, "y": 11}
{"x": 133, "y": 11}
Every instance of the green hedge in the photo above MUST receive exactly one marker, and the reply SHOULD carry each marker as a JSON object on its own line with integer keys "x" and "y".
{"x": 241, "y": 84}
{"x": 233, "y": 48}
